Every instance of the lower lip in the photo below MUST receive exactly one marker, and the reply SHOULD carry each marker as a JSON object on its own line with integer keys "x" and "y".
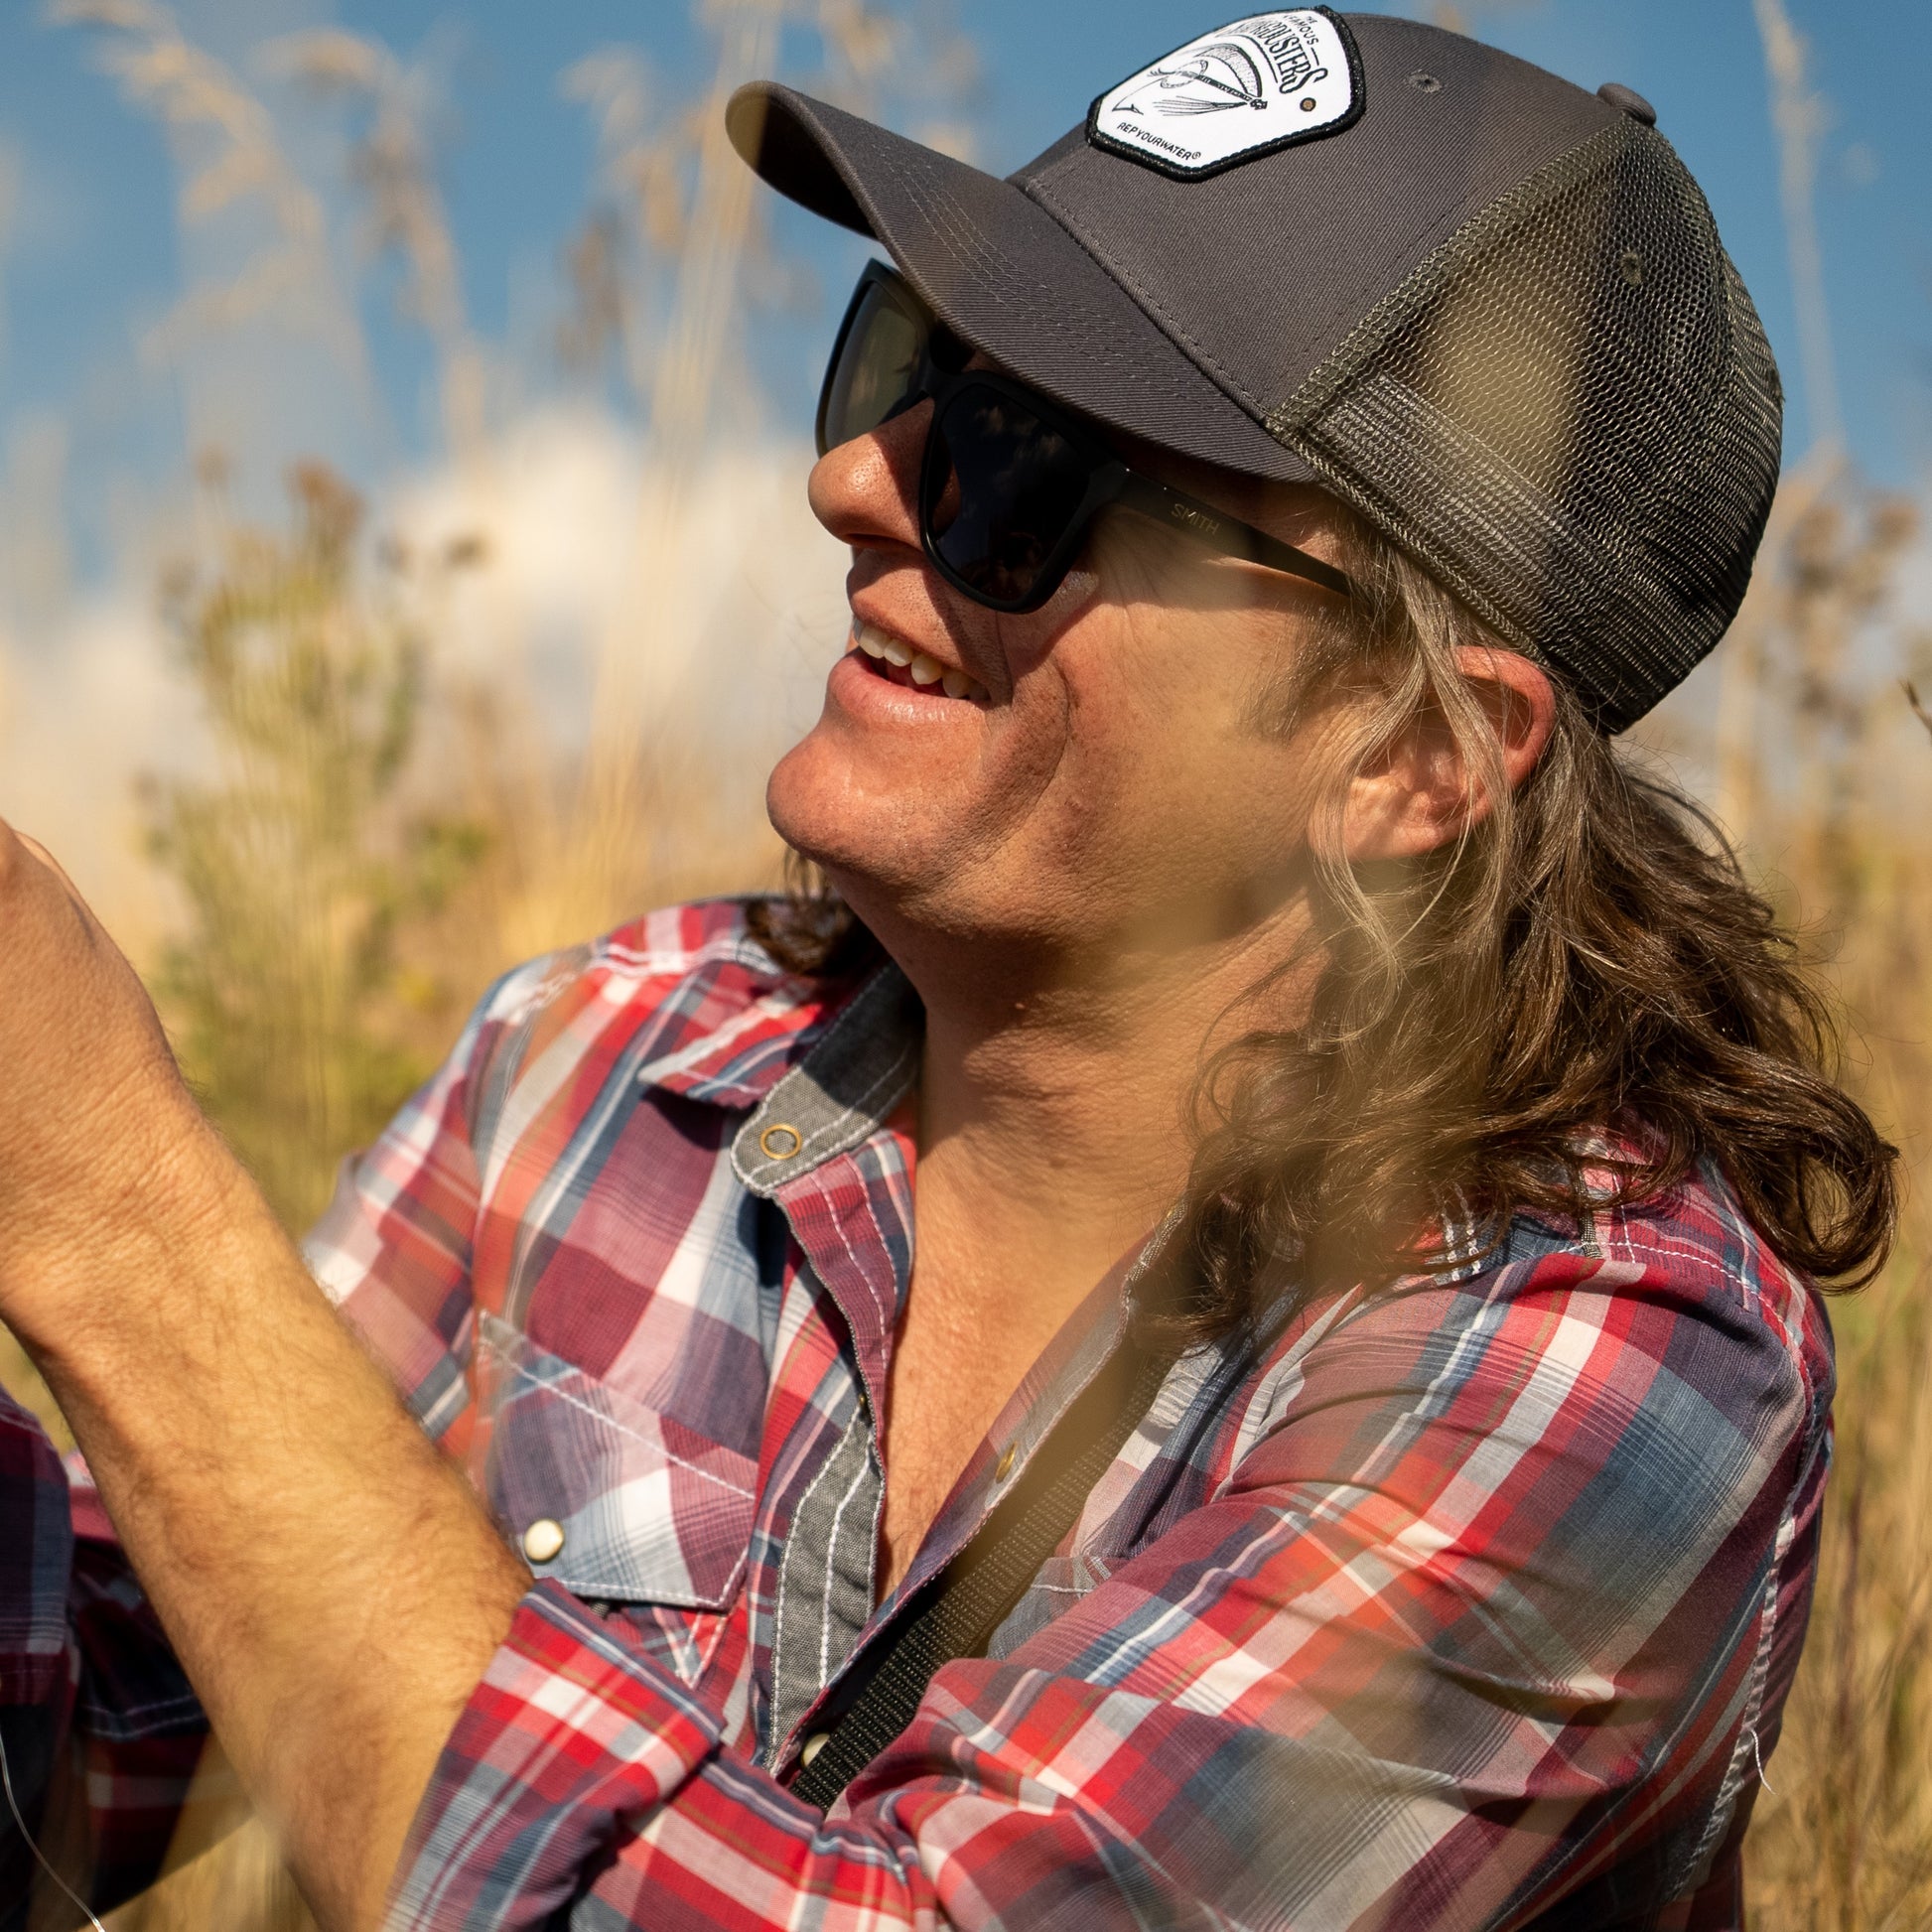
{"x": 854, "y": 687}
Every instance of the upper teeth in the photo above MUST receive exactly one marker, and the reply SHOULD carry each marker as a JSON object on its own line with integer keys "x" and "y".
{"x": 925, "y": 670}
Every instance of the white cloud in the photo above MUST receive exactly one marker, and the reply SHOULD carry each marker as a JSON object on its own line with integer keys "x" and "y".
{"x": 714, "y": 600}
{"x": 89, "y": 706}
{"x": 714, "y": 591}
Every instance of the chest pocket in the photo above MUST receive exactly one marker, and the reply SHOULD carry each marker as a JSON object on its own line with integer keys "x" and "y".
{"x": 650, "y": 1511}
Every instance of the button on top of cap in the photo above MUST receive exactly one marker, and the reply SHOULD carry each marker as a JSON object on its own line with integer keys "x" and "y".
{"x": 1629, "y": 102}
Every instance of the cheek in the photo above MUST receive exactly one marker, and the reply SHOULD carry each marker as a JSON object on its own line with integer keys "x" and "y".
{"x": 1098, "y": 794}
{"x": 1159, "y": 721}
{"x": 1171, "y": 774}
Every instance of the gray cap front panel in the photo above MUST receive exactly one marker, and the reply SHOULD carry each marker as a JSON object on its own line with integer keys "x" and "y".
{"x": 1348, "y": 216}
{"x": 1005, "y": 276}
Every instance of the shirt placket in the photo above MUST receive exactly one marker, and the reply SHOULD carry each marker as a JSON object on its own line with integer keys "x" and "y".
{"x": 825, "y": 1582}
{"x": 1078, "y": 1355}
{"x": 819, "y": 1150}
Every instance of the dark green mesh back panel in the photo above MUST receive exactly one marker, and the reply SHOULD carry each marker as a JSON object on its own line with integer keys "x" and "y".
{"x": 1570, "y": 416}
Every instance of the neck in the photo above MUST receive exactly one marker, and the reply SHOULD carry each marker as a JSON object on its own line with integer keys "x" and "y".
{"x": 1057, "y": 1086}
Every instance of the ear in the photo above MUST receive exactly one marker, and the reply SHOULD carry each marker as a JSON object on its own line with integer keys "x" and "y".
{"x": 1419, "y": 792}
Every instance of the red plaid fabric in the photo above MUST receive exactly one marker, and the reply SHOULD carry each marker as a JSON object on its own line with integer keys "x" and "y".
{"x": 1468, "y": 1603}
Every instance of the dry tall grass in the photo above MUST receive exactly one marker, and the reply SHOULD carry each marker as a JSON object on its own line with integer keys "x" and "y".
{"x": 1831, "y": 793}
{"x": 379, "y": 827}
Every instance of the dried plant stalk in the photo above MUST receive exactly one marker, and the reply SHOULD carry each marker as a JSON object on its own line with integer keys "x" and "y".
{"x": 225, "y": 138}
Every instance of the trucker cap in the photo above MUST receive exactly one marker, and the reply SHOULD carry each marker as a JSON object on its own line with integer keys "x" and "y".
{"x": 1486, "y": 308}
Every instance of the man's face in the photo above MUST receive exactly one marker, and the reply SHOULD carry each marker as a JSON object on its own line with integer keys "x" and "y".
{"x": 1107, "y": 775}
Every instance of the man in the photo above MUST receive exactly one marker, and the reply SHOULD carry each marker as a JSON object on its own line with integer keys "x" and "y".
{"x": 1273, "y": 1095}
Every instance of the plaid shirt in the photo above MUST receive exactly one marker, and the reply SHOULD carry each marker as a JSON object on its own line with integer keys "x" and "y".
{"x": 1470, "y": 1602}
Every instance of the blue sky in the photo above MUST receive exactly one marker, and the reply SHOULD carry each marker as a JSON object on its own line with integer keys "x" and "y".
{"x": 92, "y": 254}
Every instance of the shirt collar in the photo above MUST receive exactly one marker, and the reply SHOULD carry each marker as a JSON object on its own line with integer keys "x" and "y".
{"x": 739, "y": 1049}
{"x": 838, "y": 1092}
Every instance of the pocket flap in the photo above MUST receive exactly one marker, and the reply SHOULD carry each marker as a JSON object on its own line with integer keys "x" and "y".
{"x": 650, "y": 1511}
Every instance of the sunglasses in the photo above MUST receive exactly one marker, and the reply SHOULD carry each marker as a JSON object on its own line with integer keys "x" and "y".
{"x": 1011, "y": 486}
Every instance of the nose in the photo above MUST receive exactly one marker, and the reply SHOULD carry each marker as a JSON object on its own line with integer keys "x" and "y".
{"x": 866, "y": 492}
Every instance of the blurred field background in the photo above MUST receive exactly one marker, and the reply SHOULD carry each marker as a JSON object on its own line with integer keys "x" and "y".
{"x": 329, "y": 743}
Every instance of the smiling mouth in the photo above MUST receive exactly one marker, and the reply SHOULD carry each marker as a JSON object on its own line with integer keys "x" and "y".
{"x": 899, "y": 663}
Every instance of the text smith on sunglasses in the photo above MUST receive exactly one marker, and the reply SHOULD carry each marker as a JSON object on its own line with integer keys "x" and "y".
{"x": 1214, "y": 1323}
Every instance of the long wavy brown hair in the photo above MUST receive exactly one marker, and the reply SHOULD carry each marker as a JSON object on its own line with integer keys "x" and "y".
{"x": 1563, "y": 1011}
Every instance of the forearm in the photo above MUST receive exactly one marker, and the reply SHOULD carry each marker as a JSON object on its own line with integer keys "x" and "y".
{"x": 330, "y": 1583}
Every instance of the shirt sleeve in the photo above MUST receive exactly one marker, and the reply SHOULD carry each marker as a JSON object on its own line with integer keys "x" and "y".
{"x": 1482, "y": 1620}
{"x": 103, "y": 1735}
{"x": 35, "y": 1552}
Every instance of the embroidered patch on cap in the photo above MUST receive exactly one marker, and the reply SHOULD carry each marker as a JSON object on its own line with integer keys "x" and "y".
{"x": 1245, "y": 90}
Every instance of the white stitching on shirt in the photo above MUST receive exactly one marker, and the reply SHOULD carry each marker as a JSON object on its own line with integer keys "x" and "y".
{"x": 121, "y": 1712}
{"x": 860, "y": 1108}
{"x": 776, "y": 1743}
{"x": 610, "y": 1421}
{"x": 865, "y": 1274}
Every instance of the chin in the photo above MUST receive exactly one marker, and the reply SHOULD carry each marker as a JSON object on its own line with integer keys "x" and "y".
{"x": 850, "y": 830}
{"x": 897, "y": 868}
{"x": 897, "y": 828}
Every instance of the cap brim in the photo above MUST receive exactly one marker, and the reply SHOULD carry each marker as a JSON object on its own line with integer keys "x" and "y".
{"x": 1004, "y": 275}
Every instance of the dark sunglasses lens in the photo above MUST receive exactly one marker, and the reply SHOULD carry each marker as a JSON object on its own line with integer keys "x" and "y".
{"x": 1003, "y": 491}
{"x": 877, "y": 367}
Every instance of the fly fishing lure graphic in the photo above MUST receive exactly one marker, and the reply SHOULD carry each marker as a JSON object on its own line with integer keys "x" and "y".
{"x": 1212, "y": 79}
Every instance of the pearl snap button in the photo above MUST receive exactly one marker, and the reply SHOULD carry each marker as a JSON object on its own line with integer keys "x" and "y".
{"x": 543, "y": 1540}
{"x": 813, "y": 1746}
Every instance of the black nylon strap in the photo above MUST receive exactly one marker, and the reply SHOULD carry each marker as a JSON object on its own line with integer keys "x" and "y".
{"x": 973, "y": 1596}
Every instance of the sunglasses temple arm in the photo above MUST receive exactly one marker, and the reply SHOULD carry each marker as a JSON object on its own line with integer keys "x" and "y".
{"x": 1227, "y": 534}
